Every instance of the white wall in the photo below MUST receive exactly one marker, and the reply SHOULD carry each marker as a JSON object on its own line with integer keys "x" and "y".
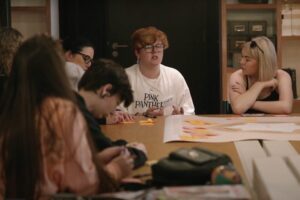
{"x": 54, "y": 19}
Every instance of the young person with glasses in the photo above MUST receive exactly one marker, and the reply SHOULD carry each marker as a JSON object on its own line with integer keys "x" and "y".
{"x": 158, "y": 89}
{"x": 79, "y": 54}
{"x": 259, "y": 86}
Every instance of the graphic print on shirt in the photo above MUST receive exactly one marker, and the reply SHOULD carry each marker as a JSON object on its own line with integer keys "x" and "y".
{"x": 151, "y": 100}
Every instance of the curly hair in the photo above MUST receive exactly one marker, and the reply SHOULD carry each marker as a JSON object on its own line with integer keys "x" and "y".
{"x": 148, "y": 35}
{"x": 10, "y": 40}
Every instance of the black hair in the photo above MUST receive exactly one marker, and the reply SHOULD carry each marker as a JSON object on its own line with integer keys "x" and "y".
{"x": 104, "y": 71}
{"x": 38, "y": 73}
{"x": 75, "y": 45}
{"x": 10, "y": 40}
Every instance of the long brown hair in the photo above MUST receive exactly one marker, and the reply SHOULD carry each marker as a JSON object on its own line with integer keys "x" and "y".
{"x": 37, "y": 73}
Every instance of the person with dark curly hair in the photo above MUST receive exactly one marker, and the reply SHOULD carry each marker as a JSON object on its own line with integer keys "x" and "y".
{"x": 10, "y": 40}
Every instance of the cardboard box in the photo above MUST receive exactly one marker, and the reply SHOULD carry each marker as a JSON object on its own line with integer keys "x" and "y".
{"x": 286, "y": 14}
{"x": 296, "y": 19}
{"x": 257, "y": 28}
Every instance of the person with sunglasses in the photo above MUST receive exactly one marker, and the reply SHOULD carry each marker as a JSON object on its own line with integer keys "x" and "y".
{"x": 259, "y": 86}
{"x": 158, "y": 89}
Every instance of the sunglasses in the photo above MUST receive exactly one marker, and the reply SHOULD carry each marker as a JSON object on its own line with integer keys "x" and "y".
{"x": 253, "y": 45}
{"x": 86, "y": 58}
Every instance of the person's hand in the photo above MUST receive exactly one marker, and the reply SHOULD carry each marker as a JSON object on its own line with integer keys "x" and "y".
{"x": 177, "y": 111}
{"x": 117, "y": 117}
{"x": 273, "y": 83}
{"x": 154, "y": 112}
{"x": 139, "y": 146}
{"x": 238, "y": 88}
{"x": 121, "y": 166}
{"x": 110, "y": 153}
{"x": 124, "y": 116}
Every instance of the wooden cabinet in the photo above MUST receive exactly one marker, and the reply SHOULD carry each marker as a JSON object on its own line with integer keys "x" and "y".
{"x": 232, "y": 11}
{"x": 33, "y": 16}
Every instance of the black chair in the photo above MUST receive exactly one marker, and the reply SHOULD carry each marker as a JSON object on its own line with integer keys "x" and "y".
{"x": 292, "y": 73}
{"x": 226, "y": 108}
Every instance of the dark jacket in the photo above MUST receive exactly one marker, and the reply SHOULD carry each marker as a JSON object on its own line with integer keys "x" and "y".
{"x": 101, "y": 141}
{"x": 3, "y": 80}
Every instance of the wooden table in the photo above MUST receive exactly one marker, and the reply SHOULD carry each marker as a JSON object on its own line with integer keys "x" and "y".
{"x": 152, "y": 137}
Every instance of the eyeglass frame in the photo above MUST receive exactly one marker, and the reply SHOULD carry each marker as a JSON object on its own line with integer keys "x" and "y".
{"x": 149, "y": 48}
{"x": 254, "y": 44}
{"x": 86, "y": 58}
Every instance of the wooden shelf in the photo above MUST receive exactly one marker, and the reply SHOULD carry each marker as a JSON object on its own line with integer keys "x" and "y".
{"x": 290, "y": 1}
{"x": 29, "y": 8}
{"x": 293, "y": 37}
{"x": 231, "y": 11}
{"x": 250, "y": 6}
{"x": 31, "y": 16}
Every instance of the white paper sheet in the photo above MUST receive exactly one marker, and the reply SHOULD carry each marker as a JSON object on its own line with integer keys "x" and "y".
{"x": 270, "y": 127}
{"x": 226, "y": 129}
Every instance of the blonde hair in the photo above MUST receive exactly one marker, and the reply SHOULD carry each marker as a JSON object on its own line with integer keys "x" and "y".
{"x": 262, "y": 49}
{"x": 148, "y": 35}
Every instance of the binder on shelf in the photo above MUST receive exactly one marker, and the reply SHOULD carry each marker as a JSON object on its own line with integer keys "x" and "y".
{"x": 295, "y": 19}
{"x": 286, "y": 14}
{"x": 258, "y": 27}
{"x": 238, "y": 27}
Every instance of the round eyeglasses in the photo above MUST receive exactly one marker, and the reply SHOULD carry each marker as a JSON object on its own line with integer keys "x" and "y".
{"x": 156, "y": 48}
{"x": 86, "y": 58}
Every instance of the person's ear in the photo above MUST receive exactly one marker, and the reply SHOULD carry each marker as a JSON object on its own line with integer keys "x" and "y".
{"x": 104, "y": 90}
{"x": 69, "y": 56}
{"x": 137, "y": 53}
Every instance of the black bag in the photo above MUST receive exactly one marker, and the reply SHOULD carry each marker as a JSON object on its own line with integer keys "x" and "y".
{"x": 187, "y": 166}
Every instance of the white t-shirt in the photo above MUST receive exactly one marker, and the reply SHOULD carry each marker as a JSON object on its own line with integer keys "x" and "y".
{"x": 74, "y": 73}
{"x": 165, "y": 91}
